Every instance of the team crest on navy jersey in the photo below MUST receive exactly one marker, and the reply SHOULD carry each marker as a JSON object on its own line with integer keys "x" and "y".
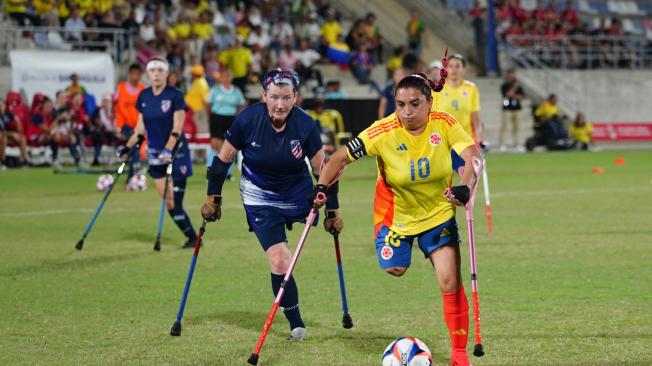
{"x": 295, "y": 145}
{"x": 165, "y": 105}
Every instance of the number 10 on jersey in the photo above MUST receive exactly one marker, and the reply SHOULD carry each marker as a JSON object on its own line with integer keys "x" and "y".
{"x": 422, "y": 168}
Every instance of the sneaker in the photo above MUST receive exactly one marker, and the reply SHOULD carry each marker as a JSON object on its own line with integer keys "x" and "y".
{"x": 2, "y": 167}
{"x": 190, "y": 244}
{"x": 459, "y": 358}
{"x": 297, "y": 334}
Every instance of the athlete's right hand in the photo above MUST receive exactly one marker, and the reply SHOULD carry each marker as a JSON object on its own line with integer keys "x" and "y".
{"x": 123, "y": 153}
{"x": 212, "y": 209}
{"x": 319, "y": 195}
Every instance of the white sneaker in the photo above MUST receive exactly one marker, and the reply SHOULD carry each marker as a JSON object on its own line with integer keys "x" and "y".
{"x": 2, "y": 167}
{"x": 297, "y": 334}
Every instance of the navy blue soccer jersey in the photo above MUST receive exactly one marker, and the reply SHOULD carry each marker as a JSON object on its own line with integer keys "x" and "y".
{"x": 274, "y": 171}
{"x": 158, "y": 116}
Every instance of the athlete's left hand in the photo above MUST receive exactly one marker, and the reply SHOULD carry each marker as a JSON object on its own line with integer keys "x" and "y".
{"x": 165, "y": 156}
{"x": 333, "y": 222}
{"x": 458, "y": 195}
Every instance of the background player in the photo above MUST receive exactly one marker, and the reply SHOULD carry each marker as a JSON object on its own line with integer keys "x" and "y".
{"x": 413, "y": 150}
{"x": 460, "y": 98}
{"x": 126, "y": 114}
{"x": 161, "y": 112}
{"x": 275, "y": 137}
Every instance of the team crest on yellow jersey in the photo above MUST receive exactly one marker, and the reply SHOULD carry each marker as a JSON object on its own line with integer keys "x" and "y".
{"x": 435, "y": 139}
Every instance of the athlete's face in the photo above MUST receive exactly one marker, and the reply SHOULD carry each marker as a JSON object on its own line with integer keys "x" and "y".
{"x": 455, "y": 69}
{"x": 279, "y": 100}
{"x": 412, "y": 108}
{"x": 134, "y": 76}
{"x": 157, "y": 76}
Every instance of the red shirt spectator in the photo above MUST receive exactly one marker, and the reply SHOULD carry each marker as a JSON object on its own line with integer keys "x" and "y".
{"x": 518, "y": 12}
{"x": 569, "y": 14}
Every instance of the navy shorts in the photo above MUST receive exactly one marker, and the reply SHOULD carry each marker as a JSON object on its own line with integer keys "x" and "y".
{"x": 269, "y": 223}
{"x": 395, "y": 250}
{"x": 458, "y": 162}
{"x": 157, "y": 171}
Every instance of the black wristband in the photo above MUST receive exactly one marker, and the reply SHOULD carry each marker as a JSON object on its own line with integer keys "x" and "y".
{"x": 462, "y": 193}
{"x": 176, "y": 135}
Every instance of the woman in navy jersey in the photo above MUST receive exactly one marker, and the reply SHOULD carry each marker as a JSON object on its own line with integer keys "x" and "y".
{"x": 161, "y": 114}
{"x": 275, "y": 137}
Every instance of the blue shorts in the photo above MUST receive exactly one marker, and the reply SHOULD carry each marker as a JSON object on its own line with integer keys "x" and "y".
{"x": 458, "y": 162}
{"x": 394, "y": 250}
{"x": 269, "y": 223}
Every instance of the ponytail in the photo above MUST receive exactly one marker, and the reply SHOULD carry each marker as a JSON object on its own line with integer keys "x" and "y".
{"x": 421, "y": 81}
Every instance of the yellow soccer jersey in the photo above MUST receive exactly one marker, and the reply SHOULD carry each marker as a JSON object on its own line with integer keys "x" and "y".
{"x": 459, "y": 102}
{"x": 413, "y": 171}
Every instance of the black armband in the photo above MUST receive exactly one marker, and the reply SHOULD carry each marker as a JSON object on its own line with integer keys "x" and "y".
{"x": 356, "y": 148}
{"x": 216, "y": 174}
{"x": 176, "y": 135}
{"x": 140, "y": 140}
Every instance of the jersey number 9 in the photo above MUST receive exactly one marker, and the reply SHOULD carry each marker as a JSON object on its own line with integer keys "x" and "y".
{"x": 422, "y": 168}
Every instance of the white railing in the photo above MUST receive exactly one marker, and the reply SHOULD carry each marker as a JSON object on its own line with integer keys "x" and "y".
{"x": 116, "y": 41}
{"x": 579, "y": 52}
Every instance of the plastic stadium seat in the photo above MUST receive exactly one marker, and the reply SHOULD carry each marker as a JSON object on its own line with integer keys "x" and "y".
{"x": 529, "y": 5}
{"x": 600, "y": 6}
{"x": 583, "y": 6}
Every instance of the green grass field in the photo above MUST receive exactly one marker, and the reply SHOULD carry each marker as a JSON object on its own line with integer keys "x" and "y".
{"x": 565, "y": 280}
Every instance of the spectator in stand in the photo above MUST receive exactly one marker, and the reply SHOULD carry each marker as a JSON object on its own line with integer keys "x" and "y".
{"x": 395, "y": 61}
{"x": 258, "y": 38}
{"x": 196, "y": 96}
{"x": 42, "y": 123}
{"x": 147, "y": 31}
{"x": 374, "y": 39}
{"x": 434, "y": 69}
{"x": 330, "y": 121}
{"x": 104, "y": 126}
{"x": 569, "y": 15}
{"x": 416, "y": 33}
{"x": 11, "y": 130}
{"x": 64, "y": 131}
{"x": 282, "y": 33}
{"x": 308, "y": 28}
{"x": 356, "y": 36}
{"x": 211, "y": 65}
{"x": 126, "y": 114}
{"x": 512, "y": 95}
{"x": 238, "y": 59}
{"x": 74, "y": 26}
{"x": 580, "y": 132}
{"x": 361, "y": 65}
{"x": 330, "y": 28}
{"x": 386, "y": 106}
{"x": 176, "y": 58}
{"x": 302, "y": 8}
{"x": 18, "y": 10}
{"x": 478, "y": 14}
{"x": 182, "y": 30}
{"x": 203, "y": 27}
{"x": 334, "y": 90}
{"x": 74, "y": 87}
{"x": 288, "y": 57}
{"x": 307, "y": 59}
{"x": 174, "y": 80}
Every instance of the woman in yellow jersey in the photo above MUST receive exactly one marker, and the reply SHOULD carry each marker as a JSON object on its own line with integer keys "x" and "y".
{"x": 460, "y": 98}
{"x": 413, "y": 195}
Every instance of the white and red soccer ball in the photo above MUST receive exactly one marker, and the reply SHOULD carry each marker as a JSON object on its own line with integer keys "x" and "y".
{"x": 407, "y": 351}
{"x": 137, "y": 183}
{"x": 104, "y": 182}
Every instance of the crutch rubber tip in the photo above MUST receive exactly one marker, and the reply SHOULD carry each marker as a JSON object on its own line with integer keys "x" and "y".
{"x": 80, "y": 244}
{"x": 176, "y": 329}
{"x": 347, "y": 322}
{"x": 157, "y": 245}
{"x": 478, "y": 351}
{"x": 253, "y": 359}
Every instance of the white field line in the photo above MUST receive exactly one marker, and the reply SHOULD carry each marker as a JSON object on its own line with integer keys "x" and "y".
{"x": 565, "y": 192}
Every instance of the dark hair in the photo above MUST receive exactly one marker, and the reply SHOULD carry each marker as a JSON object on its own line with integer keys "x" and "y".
{"x": 135, "y": 67}
{"x": 421, "y": 82}
{"x": 457, "y": 56}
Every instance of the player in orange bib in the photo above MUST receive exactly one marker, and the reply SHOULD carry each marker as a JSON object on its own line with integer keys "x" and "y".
{"x": 414, "y": 199}
{"x": 126, "y": 114}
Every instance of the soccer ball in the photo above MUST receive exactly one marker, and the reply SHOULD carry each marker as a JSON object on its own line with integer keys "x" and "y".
{"x": 104, "y": 182}
{"x": 407, "y": 352}
{"x": 137, "y": 183}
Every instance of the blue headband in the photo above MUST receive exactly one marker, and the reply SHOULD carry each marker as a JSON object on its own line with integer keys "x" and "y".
{"x": 281, "y": 77}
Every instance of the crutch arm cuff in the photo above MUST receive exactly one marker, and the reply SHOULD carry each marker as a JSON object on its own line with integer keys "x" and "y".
{"x": 216, "y": 174}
